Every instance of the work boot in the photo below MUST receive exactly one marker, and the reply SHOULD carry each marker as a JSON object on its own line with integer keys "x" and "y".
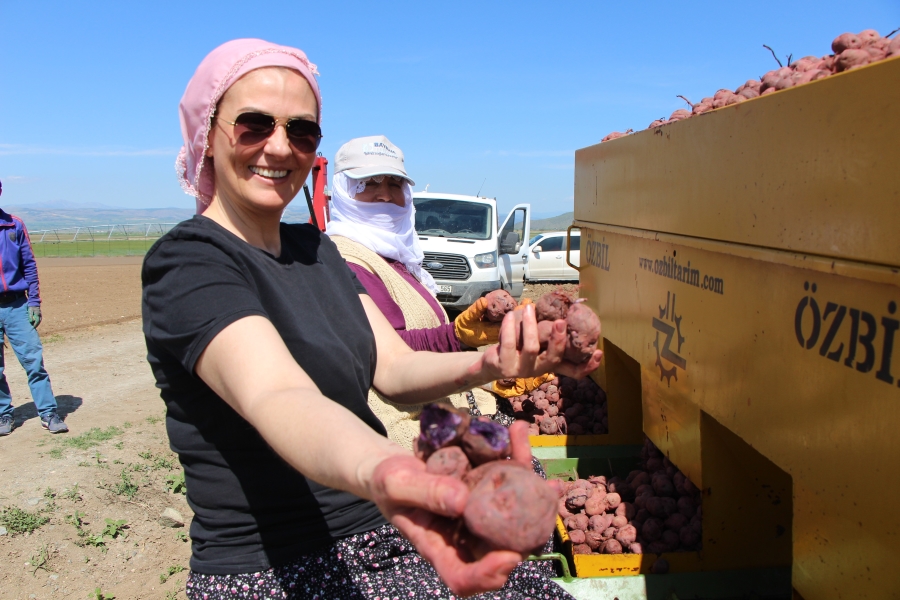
{"x": 53, "y": 423}
{"x": 6, "y": 425}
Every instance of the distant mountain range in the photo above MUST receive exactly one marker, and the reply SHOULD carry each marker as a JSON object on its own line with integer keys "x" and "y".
{"x": 62, "y": 214}
{"x": 560, "y": 223}
{"x": 38, "y": 218}
{"x": 67, "y": 205}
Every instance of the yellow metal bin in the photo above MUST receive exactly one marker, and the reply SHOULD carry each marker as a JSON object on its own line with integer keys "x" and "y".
{"x": 744, "y": 264}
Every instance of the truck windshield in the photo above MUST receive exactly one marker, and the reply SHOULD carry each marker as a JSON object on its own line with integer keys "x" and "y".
{"x": 453, "y": 218}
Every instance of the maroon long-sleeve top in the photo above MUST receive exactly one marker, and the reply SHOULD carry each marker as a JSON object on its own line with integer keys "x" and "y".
{"x": 438, "y": 339}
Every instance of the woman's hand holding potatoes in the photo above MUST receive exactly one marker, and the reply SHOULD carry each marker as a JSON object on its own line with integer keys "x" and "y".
{"x": 428, "y": 509}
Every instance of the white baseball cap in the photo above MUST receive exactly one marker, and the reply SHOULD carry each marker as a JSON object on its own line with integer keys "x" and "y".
{"x": 370, "y": 156}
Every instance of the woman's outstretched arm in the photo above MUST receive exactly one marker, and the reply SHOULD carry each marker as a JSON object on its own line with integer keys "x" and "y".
{"x": 406, "y": 377}
{"x": 248, "y": 365}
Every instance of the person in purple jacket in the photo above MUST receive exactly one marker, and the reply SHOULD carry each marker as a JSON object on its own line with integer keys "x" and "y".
{"x": 373, "y": 225}
{"x": 20, "y": 315}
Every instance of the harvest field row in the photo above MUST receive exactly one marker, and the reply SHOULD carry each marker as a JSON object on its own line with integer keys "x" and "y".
{"x": 97, "y": 240}
{"x": 86, "y": 248}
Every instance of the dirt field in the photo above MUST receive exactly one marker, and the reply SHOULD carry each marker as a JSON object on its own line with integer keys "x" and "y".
{"x": 112, "y": 465}
{"x": 81, "y": 292}
{"x": 113, "y": 472}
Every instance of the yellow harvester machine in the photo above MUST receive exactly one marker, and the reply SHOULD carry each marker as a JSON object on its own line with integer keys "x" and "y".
{"x": 745, "y": 264}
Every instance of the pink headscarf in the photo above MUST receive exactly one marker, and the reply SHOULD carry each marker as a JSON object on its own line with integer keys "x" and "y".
{"x": 218, "y": 71}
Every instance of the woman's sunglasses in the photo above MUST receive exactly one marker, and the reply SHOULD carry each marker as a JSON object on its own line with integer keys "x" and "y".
{"x": 252, "y": 128}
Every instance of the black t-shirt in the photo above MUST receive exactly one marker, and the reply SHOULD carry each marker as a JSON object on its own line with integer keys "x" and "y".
{"x": 252, "y": 510}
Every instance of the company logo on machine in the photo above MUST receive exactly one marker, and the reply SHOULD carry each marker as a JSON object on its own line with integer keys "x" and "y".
{"x": 664, "y": 353}
{"x": 810, "y": 322}
{"x": 435, "y": 265}
{"x": 597, "y": 253}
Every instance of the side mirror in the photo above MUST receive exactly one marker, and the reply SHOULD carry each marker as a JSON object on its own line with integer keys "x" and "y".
{"x": 510, "y": 243}
{"x": 537, "y": 249}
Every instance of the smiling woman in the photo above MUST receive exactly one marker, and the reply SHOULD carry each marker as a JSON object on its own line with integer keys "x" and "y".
{"x": 264, "y": 346}
{"x": 256, "y": 172}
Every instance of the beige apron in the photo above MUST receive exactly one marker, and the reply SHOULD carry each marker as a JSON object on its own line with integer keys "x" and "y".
{"x": 402, "y": 420}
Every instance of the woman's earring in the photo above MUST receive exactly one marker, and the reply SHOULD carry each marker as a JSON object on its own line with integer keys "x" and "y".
{"x": 209, "y": 141}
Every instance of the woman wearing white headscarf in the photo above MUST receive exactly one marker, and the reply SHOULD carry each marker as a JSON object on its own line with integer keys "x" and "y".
{"x": 372, "y": 214}
{"x": 373, "y": 225}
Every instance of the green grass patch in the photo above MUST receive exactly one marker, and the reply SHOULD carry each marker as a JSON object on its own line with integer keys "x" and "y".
{"x": 95, "y": 540}
{"x": 175, "y": 483}
{"x": 78, "y": 248}
{"x": 125, "y": 486}
{"x": 17, "y": 520}
{"x": 93, "y": 437}
{"x": 50, "y": 496}
{"x": 73, "y": 494}
{"x": 172, "y": 570}
{"x": 158, "y": 461}
{"x": 56, "y": 453}
{"x": 115, "y": 528}
{"x": 99, "y": 595}
{"x": 77, "y": 520}
{"x": 40, "y": 560}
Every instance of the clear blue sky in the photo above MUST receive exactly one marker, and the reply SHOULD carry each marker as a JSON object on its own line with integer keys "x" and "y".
{"x": 502, "y": 91}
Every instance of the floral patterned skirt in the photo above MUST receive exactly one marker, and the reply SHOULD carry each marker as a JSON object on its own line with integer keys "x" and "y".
{"x": 378, "y": 565}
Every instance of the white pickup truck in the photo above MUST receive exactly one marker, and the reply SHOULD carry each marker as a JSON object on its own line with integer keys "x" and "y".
{"x": 468, "y": 251}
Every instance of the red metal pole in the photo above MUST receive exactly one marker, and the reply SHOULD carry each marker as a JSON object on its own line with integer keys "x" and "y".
{"x": 320, "y": 202}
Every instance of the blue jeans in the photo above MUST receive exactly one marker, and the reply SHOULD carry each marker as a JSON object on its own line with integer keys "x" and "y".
{"x": 26, "y": 343}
